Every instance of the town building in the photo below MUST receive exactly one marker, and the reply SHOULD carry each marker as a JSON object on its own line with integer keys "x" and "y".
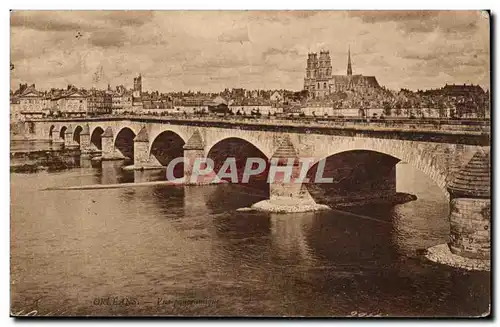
{"x": 121, "y": 100}
{"x": 156, "y": 104}
{"x": 252, "y": 106}
{"x": 32, "y": 103}
{"x": 220, "y": 100}
{"x": 192, "y": 104}
{"x": 15, "y": 109}
{"x": 74, "y": 102}
{"x": 462, "y": 90}
{"x": 99, "y": 102}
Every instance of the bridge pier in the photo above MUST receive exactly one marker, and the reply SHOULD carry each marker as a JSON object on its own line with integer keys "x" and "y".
{"x": 469, "y": 246}
{"x": 85, "y": 140}
{"x": 286, "y": 195}
{"x": 470, "y": 209}
{"x": 142, "y": 157}
{"x": 55, "y": 138}
{"x": 193, "y": 149}
{"x": 281, "y": 187}
{"x": 68, "y": 138}
{"x": 108, "y": 146}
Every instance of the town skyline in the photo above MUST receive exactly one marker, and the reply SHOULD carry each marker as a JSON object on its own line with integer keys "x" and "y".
{"x": 412, "y": 50}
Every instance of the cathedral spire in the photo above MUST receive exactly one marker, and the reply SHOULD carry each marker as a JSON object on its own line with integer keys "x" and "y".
{"x": 349, "y": 68}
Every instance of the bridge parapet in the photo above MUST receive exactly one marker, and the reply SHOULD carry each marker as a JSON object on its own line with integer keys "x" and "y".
{"x": 438, "y": 126}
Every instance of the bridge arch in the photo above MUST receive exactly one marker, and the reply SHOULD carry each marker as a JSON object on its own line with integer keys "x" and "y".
{"x": 255, "y": 142}
{"x": 425, "y": 164}
{"x": 156, "y": 130}
{"x": 264, "y": 147}
{"x": 96, "y": 137}
{"x": 62, "y": 132}
{"x": 76, "y": 133}
{"x": 352, "y": 175}
{"x": 166, "y": 146}
{"x": 240, "y": 149}
{"x": 124, "y": 142}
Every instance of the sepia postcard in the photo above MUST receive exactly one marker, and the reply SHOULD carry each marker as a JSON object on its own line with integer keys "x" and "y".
{"x": 250, "y": 163}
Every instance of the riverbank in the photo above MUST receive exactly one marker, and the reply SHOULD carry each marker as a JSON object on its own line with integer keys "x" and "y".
{"x": 50, "y": 165}
{"x": 24, "y": 137}
{"x": 32, "y": 161}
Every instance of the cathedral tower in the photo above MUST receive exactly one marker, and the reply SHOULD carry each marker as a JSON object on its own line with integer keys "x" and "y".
{"x": 311, "y": 71}
{"x": 349, "y": 67}
{"x": 325, "y": 64}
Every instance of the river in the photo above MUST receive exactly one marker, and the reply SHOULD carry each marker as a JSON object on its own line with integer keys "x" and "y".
{"x": 174, "y": 250}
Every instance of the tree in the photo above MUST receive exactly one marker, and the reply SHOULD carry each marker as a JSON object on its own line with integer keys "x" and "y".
{"x": 398, "y": 108}
{"x": 387, "y": 108}
{"x": 441, "y": 109}
{"x": 418, "y": 112}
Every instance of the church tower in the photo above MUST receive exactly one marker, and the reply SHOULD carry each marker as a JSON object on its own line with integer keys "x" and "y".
{"x": 138, "y": 86}
{"x": 349, "y": 67}
{"x": 137, "y": 92}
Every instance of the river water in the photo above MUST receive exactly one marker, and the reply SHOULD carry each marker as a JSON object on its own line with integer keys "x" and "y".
{"x": 165, "y": 250}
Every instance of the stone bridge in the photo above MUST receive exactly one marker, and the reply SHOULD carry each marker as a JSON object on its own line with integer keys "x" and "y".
{"x": 368, "y": 154}
{"x": 437, "y": 153}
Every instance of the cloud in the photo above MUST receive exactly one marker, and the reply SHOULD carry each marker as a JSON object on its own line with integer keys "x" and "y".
{"x": 460, "y": 21}
{"x": 281, "y": 52}
{"x": 128, "y": 17}
{"x": 44, "y": 21}
{"x": 210, "y": 50}
{"x": 281, "y": 16}
{"x": 422, "y": 20}
{"x": 63, "y": 21}
{"x": 376, "y": 16}
{"x": 236, "y": 35}
{"x": 108, "y": 38}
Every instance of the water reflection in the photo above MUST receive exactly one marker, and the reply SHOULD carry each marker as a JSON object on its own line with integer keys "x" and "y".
{"x": 151, "y": 175}
{"x": 411, "y": 229}
{"x": 85, "y": 162}
{"x": 195, "y": 200}
{"x": 233, "y": 196}
{"x": 112, "y": 172}
{"x": 289, "y": 236}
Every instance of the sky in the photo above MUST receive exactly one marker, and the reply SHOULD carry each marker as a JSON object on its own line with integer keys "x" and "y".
{"x": 211, "y": 50}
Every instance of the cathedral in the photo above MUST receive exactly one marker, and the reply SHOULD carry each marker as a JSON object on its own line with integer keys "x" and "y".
{"x": 320, "y": 82}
